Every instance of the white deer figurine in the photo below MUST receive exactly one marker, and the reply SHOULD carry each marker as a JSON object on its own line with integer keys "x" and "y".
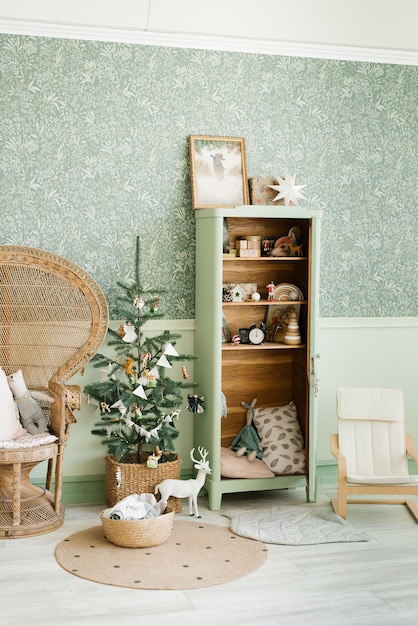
{"x": 186, "y": 488}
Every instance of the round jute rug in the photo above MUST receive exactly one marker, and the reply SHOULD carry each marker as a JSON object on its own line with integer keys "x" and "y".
{"x": 195, "y": 555}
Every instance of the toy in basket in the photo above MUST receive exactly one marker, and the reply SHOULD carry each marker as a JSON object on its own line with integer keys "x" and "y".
{"x": 139, "y": 533}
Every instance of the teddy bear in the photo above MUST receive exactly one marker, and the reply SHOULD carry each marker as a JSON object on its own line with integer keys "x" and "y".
{"x": 248, "y": 440}
{"x": 31, "y": 415}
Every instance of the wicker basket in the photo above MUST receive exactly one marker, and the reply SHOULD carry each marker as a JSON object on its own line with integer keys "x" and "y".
{"x": 141, "y": 533}
{"x": 139, "y": 478}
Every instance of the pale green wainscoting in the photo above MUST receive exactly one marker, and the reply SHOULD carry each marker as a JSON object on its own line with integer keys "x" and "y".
{"x": 353, "y": 352}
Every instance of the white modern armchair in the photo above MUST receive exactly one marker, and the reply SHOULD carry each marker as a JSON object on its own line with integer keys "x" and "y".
{"x": 372, "y": 449}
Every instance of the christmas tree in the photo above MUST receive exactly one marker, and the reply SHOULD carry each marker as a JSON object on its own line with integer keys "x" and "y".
{"x": 137, "y": 400}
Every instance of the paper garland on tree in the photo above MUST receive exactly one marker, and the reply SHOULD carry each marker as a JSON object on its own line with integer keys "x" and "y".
{"x": 170, "y": 350}
{"x": 163, "y": 361}
{"x": 139, "y": 391}
{"x": 106, "y": 372}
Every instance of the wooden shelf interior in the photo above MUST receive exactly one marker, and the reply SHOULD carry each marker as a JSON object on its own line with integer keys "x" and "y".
{"x": 274, "y": 373}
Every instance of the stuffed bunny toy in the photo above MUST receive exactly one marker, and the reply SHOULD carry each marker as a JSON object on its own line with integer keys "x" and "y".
{"x": 32, "y": 417}
{"x": 248, "y": 440}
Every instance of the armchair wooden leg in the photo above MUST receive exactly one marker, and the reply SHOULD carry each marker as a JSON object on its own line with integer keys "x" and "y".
{"x": 16, "y": 493}
{"x": 412, "y": 508}
{"x": 58, "y": 481}
{"x": 339, "y": 504}
{"x": 49, "y": 474}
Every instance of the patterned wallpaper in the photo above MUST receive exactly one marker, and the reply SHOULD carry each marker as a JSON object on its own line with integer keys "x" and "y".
{"x": 94, "y": 151}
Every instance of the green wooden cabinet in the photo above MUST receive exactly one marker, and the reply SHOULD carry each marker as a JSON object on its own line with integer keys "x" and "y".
{"x": 274, "y": 372}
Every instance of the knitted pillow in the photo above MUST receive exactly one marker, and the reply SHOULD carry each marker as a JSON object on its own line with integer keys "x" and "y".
{"x": 10, "y": 426}
{"x": 281, "y": 438}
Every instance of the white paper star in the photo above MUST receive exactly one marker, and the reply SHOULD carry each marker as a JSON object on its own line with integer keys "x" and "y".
{"x": 288, "y": 190}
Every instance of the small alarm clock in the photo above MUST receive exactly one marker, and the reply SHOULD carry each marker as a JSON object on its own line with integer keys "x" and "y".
{"x": 256, "y": 334}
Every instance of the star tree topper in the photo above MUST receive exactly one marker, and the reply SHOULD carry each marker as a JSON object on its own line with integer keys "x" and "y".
{"x": 288, "y": 190}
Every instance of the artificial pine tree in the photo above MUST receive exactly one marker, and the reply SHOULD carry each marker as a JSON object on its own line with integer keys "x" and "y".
{"x": 138, "y": 402}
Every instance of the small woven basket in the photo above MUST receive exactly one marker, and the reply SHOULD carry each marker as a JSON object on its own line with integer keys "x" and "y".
{"x": 141, "y": 533}
{"x": 139, "y": 478}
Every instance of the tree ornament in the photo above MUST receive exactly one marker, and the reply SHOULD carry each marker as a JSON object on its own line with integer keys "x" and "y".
{"x": 150, "y": 378}
{"x": 184, "y": 372}
{"x": 195, "y": 404}
{"x": 130, "y": 334}
{"x": 145, "y": 358}
{"x": 129, "y": 364}
{"x": 139, "y": 302}
{"x": 171, "y": 416}
{"x": 154, "y": 308}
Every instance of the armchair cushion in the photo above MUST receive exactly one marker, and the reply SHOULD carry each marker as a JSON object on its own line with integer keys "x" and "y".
{"x": 356, "y": 479}
{"x": 360, "y": 403}
{"x": 10, "y": 426}
{"x": 28, "y": 441}
{"x": 371, "y": 432}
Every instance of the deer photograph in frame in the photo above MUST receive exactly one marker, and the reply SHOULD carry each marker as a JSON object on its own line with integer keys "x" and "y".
{"x": 218, "y": 172}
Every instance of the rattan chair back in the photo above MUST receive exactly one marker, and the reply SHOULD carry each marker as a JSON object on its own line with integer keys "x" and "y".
{"x": 53, "y": 319}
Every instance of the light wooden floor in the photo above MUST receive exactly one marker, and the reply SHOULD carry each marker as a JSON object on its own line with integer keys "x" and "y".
{"x": 370, "y": 584}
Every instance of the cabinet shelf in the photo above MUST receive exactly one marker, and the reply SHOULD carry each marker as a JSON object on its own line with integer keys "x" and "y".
{"x": 264, "y": 259}
{"x": 265, "y": 346}
{"x": 264, "y": 303}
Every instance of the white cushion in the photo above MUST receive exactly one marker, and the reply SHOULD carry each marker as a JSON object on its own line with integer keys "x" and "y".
{"x": 371, "y": 432}
{"x": 369, "y": 403}
{"x": 28, "y": 441}
{"x": 10, "y": 426}
{"x": 382, "y": 480}
{"x": 233, "y": 466}
{"x": 281, "y": 438}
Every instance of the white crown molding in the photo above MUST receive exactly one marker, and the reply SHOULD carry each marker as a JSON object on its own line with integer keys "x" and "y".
{"x": 232, "y": 44}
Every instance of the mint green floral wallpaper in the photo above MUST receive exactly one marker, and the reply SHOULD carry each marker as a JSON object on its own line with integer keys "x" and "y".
{"x": 94, "y": 151}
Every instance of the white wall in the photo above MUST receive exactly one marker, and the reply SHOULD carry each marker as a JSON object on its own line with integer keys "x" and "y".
{"x": 364, "y": 23}
{"x": 368, "y": 352}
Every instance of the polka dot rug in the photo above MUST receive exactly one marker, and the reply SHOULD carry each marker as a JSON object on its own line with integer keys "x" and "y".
{"x": 195, "y": 555}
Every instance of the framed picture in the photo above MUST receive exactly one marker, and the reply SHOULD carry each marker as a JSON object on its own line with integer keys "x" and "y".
{"x": 218, "y": 172}
{"x": 277, "y": 319}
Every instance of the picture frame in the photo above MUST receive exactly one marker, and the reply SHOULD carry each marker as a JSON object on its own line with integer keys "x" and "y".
{"x": 276, "y": 320}
{"x": 218, "y": 172}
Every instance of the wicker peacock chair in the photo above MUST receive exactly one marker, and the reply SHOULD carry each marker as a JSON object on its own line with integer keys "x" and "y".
{"x": 53, "y": 319}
